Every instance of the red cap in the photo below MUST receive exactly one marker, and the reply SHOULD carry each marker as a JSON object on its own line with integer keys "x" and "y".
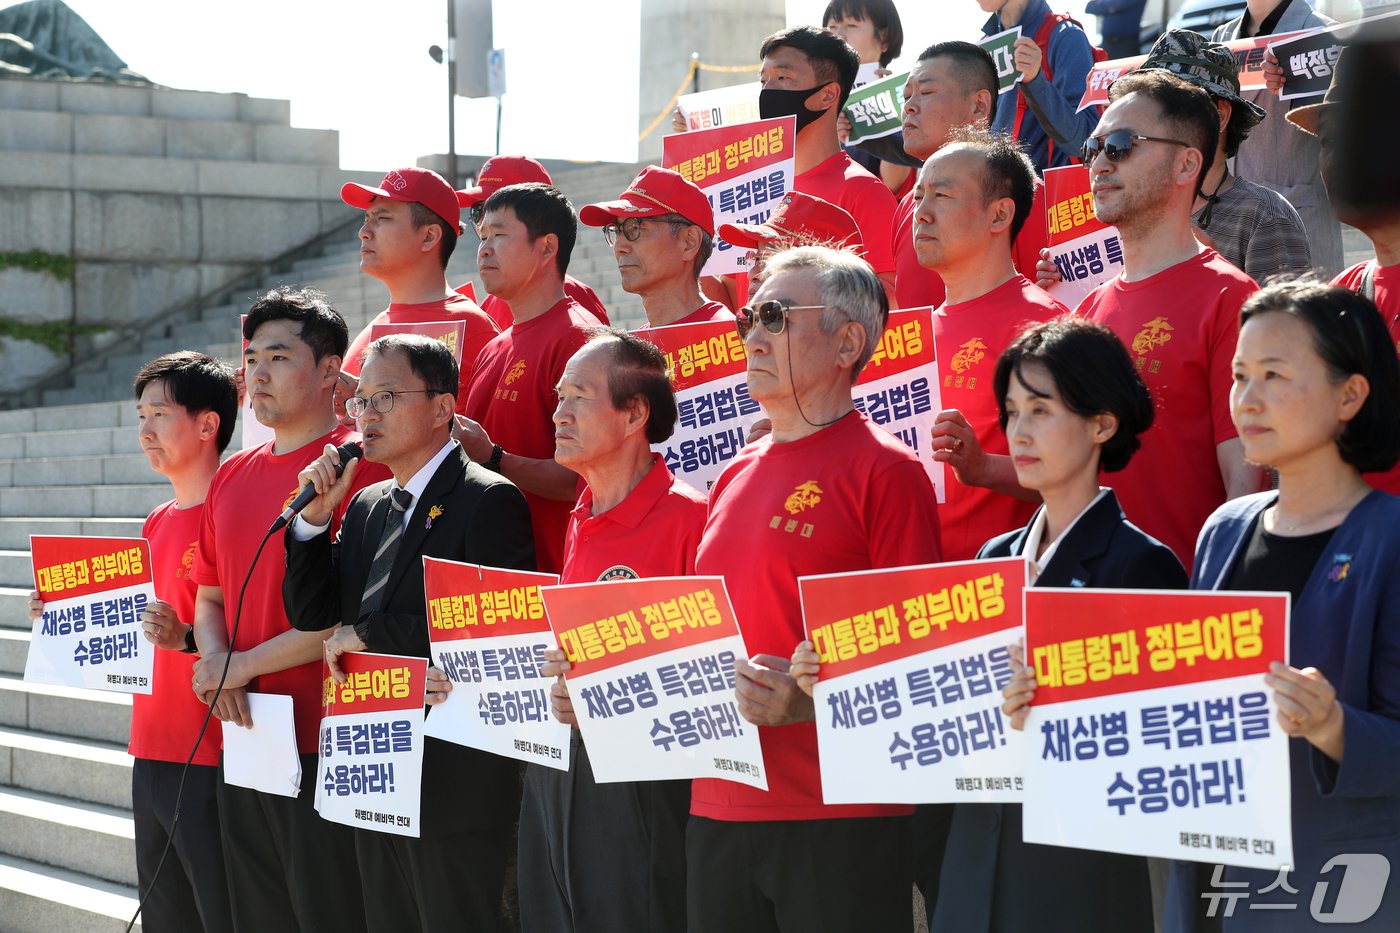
{"x": 499, "y": 172}
{"x": 418, "y": 185}
{"x": 801, "y": 218}
{"x": 655, "y": 191}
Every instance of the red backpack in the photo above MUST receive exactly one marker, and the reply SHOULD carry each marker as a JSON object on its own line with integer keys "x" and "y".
{"x": 1042, "y": 39}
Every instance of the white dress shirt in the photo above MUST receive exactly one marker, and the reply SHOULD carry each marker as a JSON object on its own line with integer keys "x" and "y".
{"x": 1037, "y": 531}
{"x": 304, "y": 531}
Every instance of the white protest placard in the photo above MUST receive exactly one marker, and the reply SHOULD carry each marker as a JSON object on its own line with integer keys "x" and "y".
{"x": 1152, "y": 731}
{"x": 913, "y": 660}
{"x": 721, "y": 106}
{"x": 744, "y": 170}
{"x": 488, "y": 633}
{"x": 1001, "y": 47}
{"x": 264, "y": 757}
{"x": 370, "y": 772}
{"x": 653, "y": 679}
{"x": 708, "y": 373}
{"x": 1087, "y": 251}
{"x": 899, "y": 387}
{"x": 94, "y": 591}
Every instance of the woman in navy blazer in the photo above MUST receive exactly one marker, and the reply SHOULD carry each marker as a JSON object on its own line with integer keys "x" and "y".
{"x": 1316, "y": 396}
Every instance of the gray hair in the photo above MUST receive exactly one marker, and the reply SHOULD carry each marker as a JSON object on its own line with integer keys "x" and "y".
{"x": 850, "y": 290}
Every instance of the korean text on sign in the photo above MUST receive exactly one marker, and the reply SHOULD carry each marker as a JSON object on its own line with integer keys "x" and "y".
{"x": 913, "y": 660}
{"x": 488, "y": 634}
{"x": 94, "y": 591}
{"x": 1151, "y": 719}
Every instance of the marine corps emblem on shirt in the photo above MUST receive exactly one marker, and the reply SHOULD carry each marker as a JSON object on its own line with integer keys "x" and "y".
{"x": 516, "y": 372}
{"x": 806, "y": 496}
{"x": 1153, "y": 335}
{"x": 290, "y": 496}
{"x": 618, "y": 572}
{"x": 968, "y": 356}
{"x": 187, "y": 562}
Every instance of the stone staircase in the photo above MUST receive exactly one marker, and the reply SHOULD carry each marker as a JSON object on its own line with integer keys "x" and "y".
{"x": 66, "y": 856}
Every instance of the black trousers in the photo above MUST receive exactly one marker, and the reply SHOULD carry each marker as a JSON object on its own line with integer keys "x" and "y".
{"x": 799, "y": 876}
{"x": 288, "y": 869}
{"x": 436, "y": 884}
{"x": 191, "y": 892}
{"x": 601, "y": 858}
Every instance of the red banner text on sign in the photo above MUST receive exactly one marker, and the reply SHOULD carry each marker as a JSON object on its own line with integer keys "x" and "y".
{"x": 447, "y": 332}
{"x": 859, "y": 620}
{"x": 699, "y": 353}
{"x": 468, "y": 601}
{"x": 707, "y": 157}
{"x": 69, "y": 568}
{"x": 375, "y": 683}
{"x": 906, "y": 344}
{"x": 602, "y": 625}
{"x": 1093, "y": 643}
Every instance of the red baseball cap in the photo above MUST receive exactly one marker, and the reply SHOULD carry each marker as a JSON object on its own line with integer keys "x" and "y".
{"x": 419, "y": 185}
{"x": 654, "y": 192}
{"x": 500, "y": 171}
{"x": 801, "y": 218}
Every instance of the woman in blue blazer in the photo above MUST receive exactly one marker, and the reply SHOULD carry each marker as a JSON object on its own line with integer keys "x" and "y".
{"x": 1316, "y": 397}
{"x": 1072, "y": 404}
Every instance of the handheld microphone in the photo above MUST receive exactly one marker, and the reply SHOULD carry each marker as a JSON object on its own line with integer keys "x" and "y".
{"x": 347, "y": 451}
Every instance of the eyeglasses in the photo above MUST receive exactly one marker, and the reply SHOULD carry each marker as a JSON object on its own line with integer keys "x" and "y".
{"x": 631, "y": 228}
{"x": 772, "y": 314}
{"x": 383, "y": 402}
{"x": 1118, "y": 144}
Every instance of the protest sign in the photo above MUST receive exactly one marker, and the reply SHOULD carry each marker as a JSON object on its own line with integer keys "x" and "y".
{"x": 1248, "y": 52}
{"x": 370, "y": 773}
{"x": 1307, "y": 62}
{"x": 264, "y": 756}
{"x": 1151, "y": 732}
{"x": 468, "y": 289}
{"x": 450, "y": 333}
{"x": 488, "y": 633}
{"x": 899, "y": 389}
{"x": 1002, "y": 47}
{"x": 744, "y": 170}
{"x": 1087, "y": 251}
{"x": 877, "y": 109}
{"x": 721, "y": 106}
{"x": 94, "y": 591}
{"x": 867, "y": 73}
{"x": 254, "y": 433}
{"x": 653, "y": 679}
{"x": 707, "y": 364}
{"x": 913, "y": 660}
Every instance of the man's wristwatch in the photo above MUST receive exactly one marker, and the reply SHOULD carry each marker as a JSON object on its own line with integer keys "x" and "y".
{"x": 494, "y": 464}
{"x": 190, "y": 646}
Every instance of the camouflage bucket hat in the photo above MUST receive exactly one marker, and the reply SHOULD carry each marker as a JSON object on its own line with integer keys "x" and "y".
{"x": 1192, "y": 57}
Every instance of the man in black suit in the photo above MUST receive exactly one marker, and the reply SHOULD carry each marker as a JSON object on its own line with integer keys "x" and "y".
{"x": 368, "y": 586}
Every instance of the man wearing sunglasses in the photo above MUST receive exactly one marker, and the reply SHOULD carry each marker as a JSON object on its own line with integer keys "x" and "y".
{"x": 500, "y": 172}
{"x": 827, "y": 492}
{"x": 527, "y": 237}
{"x": 661, "y": 230}
{"x": 409, "y": 233}
{"x": 1175, "y": 305}
{"x": 369, "y": 582}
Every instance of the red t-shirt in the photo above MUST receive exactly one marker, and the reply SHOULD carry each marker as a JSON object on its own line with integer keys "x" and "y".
{"x": 499, "y": 311}
{"x": 849, "y": 497}
{"x": 844, "y": 183}
{"x": 1385, "y": 281}
{"x": 915, "y": 286}
{"x": 622, "y": 543}
{"x": 708, "y": 312}
{"x": 479, "y": 332}
{"x": 165, "y": 721}
{"x": 512, "y": 397}
{"x": 251, "y": 488}
{"x": 1180, "y": 327}
{"x": 970, "y": 336}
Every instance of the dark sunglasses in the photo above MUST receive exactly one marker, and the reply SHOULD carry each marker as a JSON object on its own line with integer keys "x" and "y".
{"x": 1118, "y": 144}
{"x": 772, "y": 314}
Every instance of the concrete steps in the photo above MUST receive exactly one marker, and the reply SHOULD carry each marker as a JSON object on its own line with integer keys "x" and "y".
{"x": 38, "y": 898}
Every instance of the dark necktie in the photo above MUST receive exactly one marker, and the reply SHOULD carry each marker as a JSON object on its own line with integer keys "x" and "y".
{"x": 399, "y": 502}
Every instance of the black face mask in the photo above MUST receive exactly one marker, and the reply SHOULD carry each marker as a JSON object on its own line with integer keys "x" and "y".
{"x": 773, "y": 102}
